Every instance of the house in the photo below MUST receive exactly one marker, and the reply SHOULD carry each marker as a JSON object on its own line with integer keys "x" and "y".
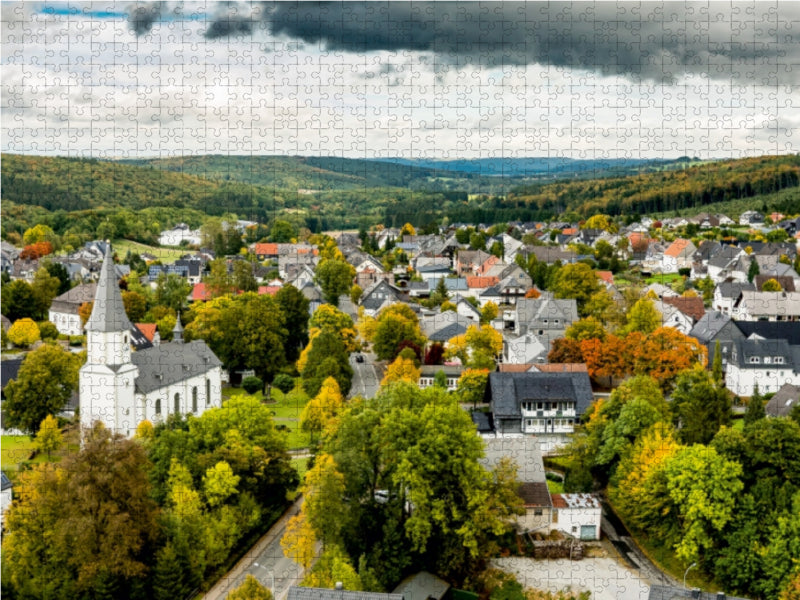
{"x": 427, "y": 374}
{"x": 420, "y": 586}
{"x": 543, "y": 404}
{"x": 578, "y": 515}
{"x": 514, "y": 285}
{"x": 533, "y": 491}
{"x": 63, "y": 311}
{"x": 672, "y": 317}
{"x": 6, "y": 494}
{"x": 378, "y": 295}
{"x": 678, "y": 255}
{"x": 465, "y": 308}
{"x": 266, "y": 251}
{"x": 524, "y": 349}
{"x": 339, "y": 593}
{"x": 545, "y": 317}
{"x": 121, "y": 388}
{"x": 665, "y": 592}
{"x": 728, "y": 296}
{"x": 767, "y": 363}
{"x": 751, "y": 217}
{"x": 468, "y": 262}
{"x": 785, "y": 400}
{"x": 180, "y": 233}
{"x": 769, "y": 306}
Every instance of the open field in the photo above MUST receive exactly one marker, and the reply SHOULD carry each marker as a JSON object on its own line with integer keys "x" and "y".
{"x": 121, "y": 247}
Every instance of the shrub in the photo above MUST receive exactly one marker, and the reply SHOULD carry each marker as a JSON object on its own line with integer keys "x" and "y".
{"x": 283, "y": 382}
{"x": 48, "y": 331}
{"x": 23, "y": 333}
{"x": 76, "y": 340}
{"x": 252, "y": 384}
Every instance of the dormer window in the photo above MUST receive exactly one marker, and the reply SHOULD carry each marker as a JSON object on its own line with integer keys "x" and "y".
{"x": 767, "y": 360}
{"x": 754, "y": 360}
{"x": 778, "y": 360}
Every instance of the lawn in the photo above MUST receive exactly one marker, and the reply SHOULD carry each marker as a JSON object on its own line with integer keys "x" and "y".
{"x": 301, "y": 464}
{"x": 18, "y": 448}
{"x": 664, "y": 278}
{"x": 286, "y": 410}
{"x": 121, "y": 247}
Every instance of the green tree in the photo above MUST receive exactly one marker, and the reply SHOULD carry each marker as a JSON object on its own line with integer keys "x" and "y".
{"x": 18, "y": 300}
{"x": 327, "y": 357}
{"x": 219, "y": 483}
{"x": 699, "y": 406}
{"x": 716, "y": 366}
{"x": 23, "y": 333}
{"x": 395, "y": 325}
{"x": 46, "y": 380}
{"x": 172, "y": 291}
{"x": 335, "y": 278}
{"x": 321, "y": 412}
{"x": 334, "y": 566}
{"x": 576, "y": 281}
{"x": 44, "y": 288}
{"x": 586, "y": 329}
{"x": 771, "y": 285}
{"x": 49, "y": 437}
{"x": 135, "y": 305}
{"x": 294, "y": 307}
{"x": 168, "y": 581}
{"x": 752, "y": 270}
{"x": 250, "y": 589}
{"x": 242, "y": 277}
{"x": 59, "y": 271}
{"x": 755, "y": 408}
{"x": 282, "y": 232}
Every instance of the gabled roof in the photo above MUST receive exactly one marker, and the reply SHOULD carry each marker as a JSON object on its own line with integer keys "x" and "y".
{"x": 108, "y": 312}
{"x": 307, "y": 593}
{"x": 505, "y": 391}
{"x": 148, "y": 330}
{"x": 5, "y": 482}
{"x": 758, "y": 349}
{"x": 172, "y": 362}
{"x": 707, "y": 328}
{"x": 784, "y": 400}
{"x": 771, "y": 330}
{"x": 678, "y": 248}
{"x": 689, "y": 306}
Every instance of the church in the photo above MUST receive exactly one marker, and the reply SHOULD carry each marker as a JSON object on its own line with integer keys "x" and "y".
{"x": 122, "y": 388}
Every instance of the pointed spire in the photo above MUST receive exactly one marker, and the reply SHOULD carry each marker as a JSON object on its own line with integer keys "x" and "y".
{"x": 108, "y": 312}
{"x": 177, "y": 331}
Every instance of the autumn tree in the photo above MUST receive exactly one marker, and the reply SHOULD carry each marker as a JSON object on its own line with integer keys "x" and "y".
{"x": 321, "y": 412}
{"x": 472, "y": 385}
{"x": 46, "y": 380}
{"x": 23, "y": 333}
{"x": 402, "y": 369}
{"x": 396, "y": 324}
{"x": 771, "y": 285}
{"x": 489, "y": 312}
{"x": 335, "y": 278}
{"x": 578, "y": 281}
{"x": 330, "y": 319}
{"x": 250, "y": 589}
{"x": 643, "y": 317}
{"x": 477, "y": 348}
{"x": 49, "y": 437}
{"x": 326, "y": 356}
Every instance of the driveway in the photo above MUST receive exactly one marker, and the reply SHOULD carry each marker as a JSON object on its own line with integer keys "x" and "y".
{"x": 264, "y": 561}
{"x": 605, "y": 578}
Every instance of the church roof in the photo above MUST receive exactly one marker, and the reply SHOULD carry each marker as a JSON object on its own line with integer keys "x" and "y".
{"x": 108, "y": 312}
{"x": 172, "y": 362}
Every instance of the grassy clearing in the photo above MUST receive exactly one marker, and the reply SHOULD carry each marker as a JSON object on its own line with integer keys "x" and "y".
{"x": 301, "y": 464}
{"x": 15, "y": 449}
{"x": 664, "y": 278}
{"x": 555, "y": 487}
{"x": 121, "y": 247}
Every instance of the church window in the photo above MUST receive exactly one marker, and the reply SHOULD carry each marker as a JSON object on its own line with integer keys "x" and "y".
{"x": 158, "y": 406}
{"x": 208, "y": 392}
{"x": 177, "y": 403}
{"x": 125, "y": 338}
{"x": 194, "y": 399}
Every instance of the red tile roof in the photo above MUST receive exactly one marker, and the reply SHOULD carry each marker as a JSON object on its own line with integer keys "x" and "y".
{"x": 482, "y": 282}
{"x": 148, "y": 330}
{"x": 268, "y": 289}
{"x": 690, "y": 306}
{"x": 267, "y": 249}
{"x": 606, "y": 276}
{"x": 199, "y": 293}
{"x": 677, "y": 247}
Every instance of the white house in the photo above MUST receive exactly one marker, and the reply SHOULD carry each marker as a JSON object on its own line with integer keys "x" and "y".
{"x": 63, "y": 311}
{"x": 6, "y": 489}
{"x": 768, "y": 363}
{"x": 121, "y": 388}
{"x": 769, "y": 306}
{"x": 578, "y": 515}
{"x": 180, "y": 233}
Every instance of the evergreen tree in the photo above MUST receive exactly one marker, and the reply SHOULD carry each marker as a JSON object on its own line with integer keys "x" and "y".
{"x": 167, "y": 575}
{"x": 716, "y": 367}
{"x": 753, "y": 270}
{"x": 755, "y": 408}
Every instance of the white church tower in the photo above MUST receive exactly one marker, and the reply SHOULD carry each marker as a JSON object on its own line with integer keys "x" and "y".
{"x": 108, "y": 378}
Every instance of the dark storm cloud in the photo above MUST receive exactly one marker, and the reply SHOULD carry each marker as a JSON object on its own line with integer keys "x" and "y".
{"x": 658, "y": 41}
{"x": 141, "y": 17}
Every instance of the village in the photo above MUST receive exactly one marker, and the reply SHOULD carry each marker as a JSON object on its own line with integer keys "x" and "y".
{"x": 510, "y": 321}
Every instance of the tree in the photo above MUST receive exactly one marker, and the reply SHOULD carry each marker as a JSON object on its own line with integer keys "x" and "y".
{"x": 753, "y": 269}
{"x": 716, "y": 367}
{"x": 39, "y": 233}
{"x": 242, "y": 277}
{"x": 472, "y": 385}
{"x": 600, "y": 222}
{"x": 218, "y": 281}
{"x": 440, "y": 293}
{"x": 586, "y": 329}
{"x": 294, "y": 307}
{"x": 252, "y": 384}
{"x": 321, "y": 412}
{"x": 489, "y": 312}
{"x": 333, "y": 567}
{"x": 327, "y": 357}
{"x": 46, "y": 380}
{"x": 703, "y": 487}
{"x": 643, "y": 317}
{"x": 477, "y": 348}
{"x": 355, "y": 294}
{"x": 219, "y": 483}
{"x": 250, "y": 589}
{"x": 335, "y": 278}
{"x": 331, "y": 319}
{"x": 23, "y": 333}
{"x": 755, "y": 408}
{"x": 576, "y": 281}
{"x": 135, "y": 305}
{"x": 84, "y": 312}
{"x": 395, "y": 324}
{"x": 699, "y": 406}
{"x": 44, "y": 288}
{"x": 18, "y": 300}
{"x": 402, "y": 369}
{"x": 282, "y": 232}
{"x": 49, "y": 438}
{"x": 771, "y": 285}
{"x": 172, "y": 291}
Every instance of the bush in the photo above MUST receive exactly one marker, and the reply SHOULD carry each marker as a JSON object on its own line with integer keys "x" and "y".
{"x": 23, "y": 333}
{"x": 48, "y": 331}
{"x": 252, "y": 384}
{"x": 76, "y": 340}
{"x": 283, "y": 382}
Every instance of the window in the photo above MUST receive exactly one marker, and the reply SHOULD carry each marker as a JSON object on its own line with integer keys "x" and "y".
{"x": 767, "y": 360}
{"x": 778, "y": 360}
{"x": 754, "y": 360}
{"x": 537, "y": 512}
{"x": 177, "y": 403}
{"x": 208, "y": 392}
{"x": 194, "y": 399}
{"x": 158, "y": 406}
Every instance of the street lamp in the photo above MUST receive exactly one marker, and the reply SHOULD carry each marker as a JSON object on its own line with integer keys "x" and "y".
{"x": 689, "y": 568}
{"x": 272, "y": 575}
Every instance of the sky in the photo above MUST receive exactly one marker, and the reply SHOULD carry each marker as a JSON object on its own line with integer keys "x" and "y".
{"x": 433, "y": 80}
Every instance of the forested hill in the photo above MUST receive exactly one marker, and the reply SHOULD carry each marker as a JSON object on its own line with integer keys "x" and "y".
{"x": 689, "y": 188}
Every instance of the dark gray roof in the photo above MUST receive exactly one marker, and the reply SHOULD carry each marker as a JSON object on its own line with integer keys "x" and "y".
{"x": 505, "y": 391}
{"x": 5, "y": 482}
{"x": 108, "y": 312}
{"x": 483, "y": 421}
{"x": 772, "y": 330}
{"x": 664, "y": 592}
{"x": 9, "y": 369}
{"x": 447, "y": 333}
{"x": 306, "y": 593}
{"x": 139, "y": 340}
{"x": 784, "y": 400}
{"x": 170, "y": 363}
{"x": 71, "y": 300}
{"x": 709, "y": 325}
{"x": 759, "y": 348}
{"x": 732, "y": 289}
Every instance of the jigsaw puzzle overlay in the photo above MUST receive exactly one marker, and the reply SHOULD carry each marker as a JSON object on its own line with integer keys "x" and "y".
{"x": 267, "y": 266}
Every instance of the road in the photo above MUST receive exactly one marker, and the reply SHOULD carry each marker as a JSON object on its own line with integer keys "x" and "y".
{"x": 264, "y": 561}
{"x": 366, "y": 380}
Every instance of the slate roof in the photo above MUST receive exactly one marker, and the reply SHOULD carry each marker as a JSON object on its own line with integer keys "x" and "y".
{"x": 505, "y": 391}
{"x": 759, "y": 348}
{"x": 306, "y": 593}
{"x": 447, "y": 332}
{"x": 665, "y": 592}
{"x": 108, "y": 313}
{"x": 483, "y": 421}
{"x": 5, "y": 482}
{"x": 787, "y": 330}
{"x": 535, "y": 494}
{"x": 70, "y": 301}
{"x": 732, "y": 289}
{"x": 9, "y": 369}
{"x": 784, "y": 400}
{"x": 707, "y": 328}
{"x": 172, "y": 362}
{"x": 523, "y": 450}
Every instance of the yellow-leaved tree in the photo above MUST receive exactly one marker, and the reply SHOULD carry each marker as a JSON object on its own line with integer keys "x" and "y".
{"x": 322, "y": 411}
{"x": 402, "y": 369}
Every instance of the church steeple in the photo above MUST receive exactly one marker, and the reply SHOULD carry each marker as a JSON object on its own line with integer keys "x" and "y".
{"x": 177, "y": 331}
{"x": 108, "y": 312}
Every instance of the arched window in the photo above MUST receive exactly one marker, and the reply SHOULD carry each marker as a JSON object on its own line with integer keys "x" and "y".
{"x": 158, "y": 406}
{"x": 177, "y": 403}
{"x": 208, "y": 392}
{"x": 194, "y": 399}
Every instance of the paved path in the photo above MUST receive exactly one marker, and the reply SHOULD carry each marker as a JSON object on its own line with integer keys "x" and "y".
{"x": 266, "y": 562}
{"x": 366, "y": 380}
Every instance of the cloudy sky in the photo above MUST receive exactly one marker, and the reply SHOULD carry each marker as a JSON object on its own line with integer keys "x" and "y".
{"x": 438, "y": 80}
